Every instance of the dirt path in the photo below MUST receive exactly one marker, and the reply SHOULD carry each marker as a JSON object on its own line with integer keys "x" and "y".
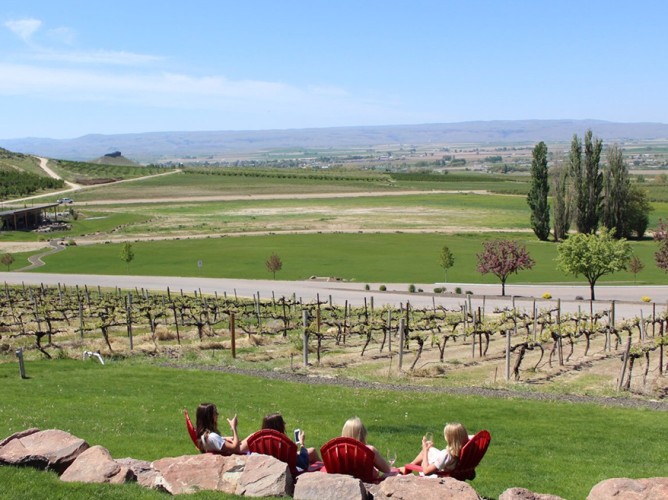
{"x": 292, "y": 196}
{"x": 464, "y": 391}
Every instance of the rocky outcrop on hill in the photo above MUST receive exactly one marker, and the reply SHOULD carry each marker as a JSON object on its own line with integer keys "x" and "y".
{"x": 260, "y": 475}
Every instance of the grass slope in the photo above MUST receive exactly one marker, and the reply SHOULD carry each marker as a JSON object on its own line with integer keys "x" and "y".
{"x": 373, "y": 258}
{"x": 136, "y": 410}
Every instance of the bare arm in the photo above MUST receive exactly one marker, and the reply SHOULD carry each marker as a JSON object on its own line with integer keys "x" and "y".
{"x": 427, "y": 468}
{"x": 232, "y": 445}
{"x": 378, "y": 461}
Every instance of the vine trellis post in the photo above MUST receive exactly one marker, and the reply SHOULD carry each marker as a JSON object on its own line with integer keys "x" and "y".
{"x": 305, "y": 340}
{"x": 128, "y": 310}
{"x": 233, "y": 336}
{"x": 402, "y": 327}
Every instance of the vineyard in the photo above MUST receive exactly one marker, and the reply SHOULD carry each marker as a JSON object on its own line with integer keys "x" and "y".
{"x": 502, "y": 346}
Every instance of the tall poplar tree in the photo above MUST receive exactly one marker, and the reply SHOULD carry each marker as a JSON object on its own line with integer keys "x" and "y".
{"x": 561, "y": 204}
{"x": 540, "y": 188}
{"x": 616, "y": 198}
{"x": 587, "y": 182}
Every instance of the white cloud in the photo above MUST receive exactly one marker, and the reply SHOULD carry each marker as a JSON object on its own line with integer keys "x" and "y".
{"x": 24, "y": 28}
{"x": 172, "y": 91}
{"x": 61, "y": 35}
{"x": 103, "y": 57}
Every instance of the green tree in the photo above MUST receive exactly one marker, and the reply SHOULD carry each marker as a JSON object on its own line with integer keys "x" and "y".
{"x": 661, "y": 235}
{"x": 274, "y": 264}
{"x": 446, "y": 260}
{"x": 7, "y": 260}
{"x": 587, "y": 182}
{"x": 637, "y": 212}
{"x": 634, "y": 266}
{"x": 503, "y": 258}
{"x": 561, "y": 204}
{"x": 593, "y": 256}
{"x": 538, "y": 192}
{"x": 127, "y": 254}
{"x": 616, "y": 188}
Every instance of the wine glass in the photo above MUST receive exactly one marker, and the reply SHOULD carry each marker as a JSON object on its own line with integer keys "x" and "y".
{"x": 391, "y": 457}
{"x": 429, "y": 436}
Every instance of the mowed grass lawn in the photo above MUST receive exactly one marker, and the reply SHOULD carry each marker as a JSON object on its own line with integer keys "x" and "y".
{"x": 136, "y": 410}
{"x": 372, "y": 258}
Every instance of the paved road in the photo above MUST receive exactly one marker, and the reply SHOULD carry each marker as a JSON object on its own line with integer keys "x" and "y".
{"x": 627, "y": 298}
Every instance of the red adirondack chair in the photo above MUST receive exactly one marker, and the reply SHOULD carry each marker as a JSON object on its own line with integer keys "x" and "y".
{"x": 349, "y": 456}
{"x": 469, "y": 458}
{"x": 276, "y": 444}
{"x": 191, "y": 429}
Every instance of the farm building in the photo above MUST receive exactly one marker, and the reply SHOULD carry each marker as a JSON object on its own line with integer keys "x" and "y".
{"x": 25, "y": 219}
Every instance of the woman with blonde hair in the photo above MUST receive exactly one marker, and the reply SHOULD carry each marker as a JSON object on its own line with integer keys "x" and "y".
{"x": 354, "y": 428}
{"x": 433, "y": 460}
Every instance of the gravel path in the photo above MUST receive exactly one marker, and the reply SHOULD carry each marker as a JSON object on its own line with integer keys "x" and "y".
{"x": 302, "y": 378}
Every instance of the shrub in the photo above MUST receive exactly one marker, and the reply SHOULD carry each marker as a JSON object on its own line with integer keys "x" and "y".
{"x": 547, "y": 295}
{"x": 438, "y": 290}
{"x": 382, "y": 288}
{"x": 367, "y": 287}
{"x": 411, "y": 288}
{"x": 458, "y": 290}
{"x": 645, "y": 298}
{"x": 469, "y": 292}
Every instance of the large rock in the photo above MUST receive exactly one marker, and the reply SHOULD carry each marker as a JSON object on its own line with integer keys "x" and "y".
{"x": 192, "y": 473}
{"x": 142, "y": 470}
{"x": 52, "y": 449}
{"x": 95, "y": 465}
{"x": 425, "y": 488}
{"x": 323, "y": 486}
{"x": 524, "y": 494}
{"x": 18, "y": 435}
{"x": 655, "y": 488}
{"x": 265, "y": 476}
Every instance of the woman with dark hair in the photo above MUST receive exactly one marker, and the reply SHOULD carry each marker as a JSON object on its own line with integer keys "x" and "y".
{"x": 208, "y": 435}
{"x": 305, "y": 456}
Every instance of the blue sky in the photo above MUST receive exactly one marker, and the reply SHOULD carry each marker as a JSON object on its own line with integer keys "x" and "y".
{"x": 74, "y": 67}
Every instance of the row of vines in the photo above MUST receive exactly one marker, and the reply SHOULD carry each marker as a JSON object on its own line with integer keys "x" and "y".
{"x": 36, "y": 318}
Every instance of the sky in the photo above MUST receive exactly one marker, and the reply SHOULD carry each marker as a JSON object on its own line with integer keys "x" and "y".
{"x": 74, "y": 67}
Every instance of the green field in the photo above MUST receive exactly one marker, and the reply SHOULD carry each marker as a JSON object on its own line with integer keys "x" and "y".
{"x": 136, "y": 410}
{"x": 391, "y": 258}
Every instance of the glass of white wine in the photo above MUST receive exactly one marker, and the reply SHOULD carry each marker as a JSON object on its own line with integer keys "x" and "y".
{"x": 391, "y": 457}
{"x": 429, "y": 436}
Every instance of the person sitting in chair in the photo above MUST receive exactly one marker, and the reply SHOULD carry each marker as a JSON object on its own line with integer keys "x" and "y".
{"x": 354, "y": 428}
{"x": 208, "y": 435}
{"x": 433, "y": 460}
{"x": 305, "y": 456}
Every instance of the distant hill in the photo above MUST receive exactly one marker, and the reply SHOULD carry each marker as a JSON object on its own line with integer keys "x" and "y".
{"x": 155, "y": 146}
{"x": 115, "y": 158}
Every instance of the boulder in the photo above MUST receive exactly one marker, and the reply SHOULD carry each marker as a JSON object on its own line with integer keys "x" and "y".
{"x": 323, "y": 486}
{"x": 192, "y": 473}
{"x": 655, "y": 488}
{"x": 51, "y": 449}
{"x": 524, "y": 494}
{"x": 142, "y": 470}
{"x": 425, "y": 488}
{"x": 18, "y": 435}
{"x": 95, "y": 465}
{"x": 265, "y": 476}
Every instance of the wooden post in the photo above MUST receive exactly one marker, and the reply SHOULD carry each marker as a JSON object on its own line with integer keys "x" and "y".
{"x": 304, "y": 321}
{"x": 402, "y": 326}
{"x": 233, "y": 336}
{"x": 625, "y": 361}
{"x": 389, "y": 330}
{"x": 81, "y": 320}
{"x": 128, "y": 310}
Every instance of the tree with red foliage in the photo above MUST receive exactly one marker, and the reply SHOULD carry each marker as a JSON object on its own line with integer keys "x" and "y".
{"x": 661, "y": 235}
{"x": 503, "y": 258}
